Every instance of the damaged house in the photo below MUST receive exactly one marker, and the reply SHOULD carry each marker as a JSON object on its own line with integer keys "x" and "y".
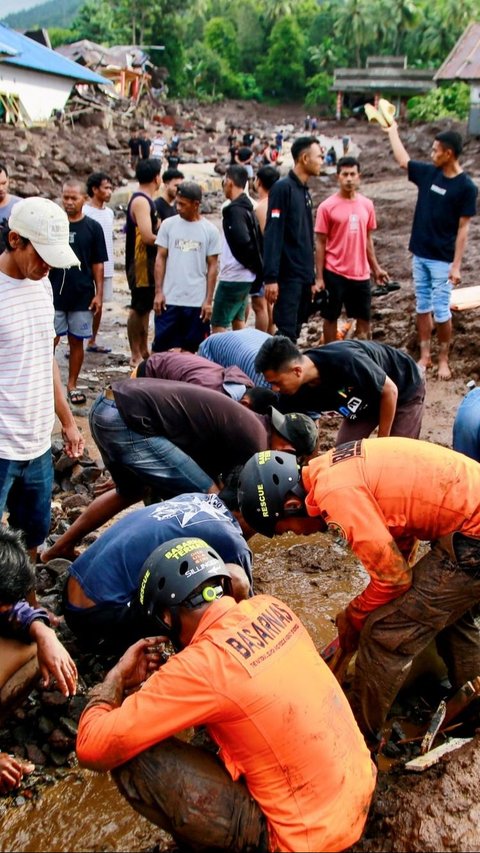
{"x": 35, "y": 81}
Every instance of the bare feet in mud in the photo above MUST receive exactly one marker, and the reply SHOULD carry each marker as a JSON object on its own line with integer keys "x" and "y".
{"x": 444, "y": 371}
{"x": 424, "y": 364}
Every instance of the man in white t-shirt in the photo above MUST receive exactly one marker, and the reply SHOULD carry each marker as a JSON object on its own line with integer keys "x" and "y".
{"x": 99, "y": 190}
{"x": 158, "y": 146}
{"x": 241, "y": 265}
{"x": 185, "y": 274}
{"x": 344, "y": 253}
{"x": 37, "y": 240}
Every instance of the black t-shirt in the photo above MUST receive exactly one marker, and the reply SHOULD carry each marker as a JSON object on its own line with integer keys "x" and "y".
{"x": 74, "y": 288}
{"x": 244, "y": 154}
{"x": 145, "y": 145}
{"x": 440, "y": 204}
{"x": 164, "y": 209}
{"x": 134, "y": 145}
{"x": 173, "y": 160}
{"x": 248, "y": 139}
{"x": 214, "y": 430}
{"x": 352, "y": 376}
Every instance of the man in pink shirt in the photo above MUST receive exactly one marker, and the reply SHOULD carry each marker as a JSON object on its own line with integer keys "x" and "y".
{"x": 344, "y": 253}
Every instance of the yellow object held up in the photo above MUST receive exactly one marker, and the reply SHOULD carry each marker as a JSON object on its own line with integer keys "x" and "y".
{"x": 384, "y": 114}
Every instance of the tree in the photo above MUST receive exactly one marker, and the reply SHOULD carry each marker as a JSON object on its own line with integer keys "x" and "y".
{"x": 451, "y": 101}
{"x": 275, "y": 10}
{"x": 442, "y": 25}
{"x": 352, "y": 26}
{"x": 220, "y": 37}
{"x": 282, "y": 72}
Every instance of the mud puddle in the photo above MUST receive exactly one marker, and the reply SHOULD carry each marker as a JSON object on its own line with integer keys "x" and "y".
{"x": 82, "y": 812}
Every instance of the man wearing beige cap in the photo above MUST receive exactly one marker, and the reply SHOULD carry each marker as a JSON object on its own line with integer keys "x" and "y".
{"x": 37, "y": 239}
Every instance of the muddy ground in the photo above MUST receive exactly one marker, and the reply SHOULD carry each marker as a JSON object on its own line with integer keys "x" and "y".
{"x": 68, "y": 809}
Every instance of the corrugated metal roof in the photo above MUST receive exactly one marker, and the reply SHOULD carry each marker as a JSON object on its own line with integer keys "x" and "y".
{"x": 95, "y": 55}
{"x": 463, "y": 62}
{"x": 30, "y": 54}
{"x": 407, "y": 81}
{"x": 6, "y": 50}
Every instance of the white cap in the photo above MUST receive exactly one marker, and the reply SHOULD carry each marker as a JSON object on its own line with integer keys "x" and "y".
{"x": 46, "y": 225}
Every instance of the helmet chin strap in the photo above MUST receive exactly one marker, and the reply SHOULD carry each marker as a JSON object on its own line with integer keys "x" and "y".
{"x": 171, "y": 631}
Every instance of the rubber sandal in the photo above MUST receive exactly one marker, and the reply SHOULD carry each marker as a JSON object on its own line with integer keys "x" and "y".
{"x": 383, "y": 289}
{"x": 76, "y": 397}
{"x": 98, "y": 348}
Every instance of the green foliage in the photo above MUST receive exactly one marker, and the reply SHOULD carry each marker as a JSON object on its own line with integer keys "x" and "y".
{"x": 319, "y": 94}
{"x": 59, "y": 36}
{"x": 283, "y": 49}
{"x": 444, "y": 102}
{"x": 51, "y": 14}
{"x": 282, "y": 72}
{"x": 220, "y": 38}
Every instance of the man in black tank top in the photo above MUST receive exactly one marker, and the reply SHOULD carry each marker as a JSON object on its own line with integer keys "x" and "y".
{"x": 140, "y": 251}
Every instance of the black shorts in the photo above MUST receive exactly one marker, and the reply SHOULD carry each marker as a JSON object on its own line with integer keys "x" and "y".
{"x": 355, "y": 295}
{"x": 142, "y": 299}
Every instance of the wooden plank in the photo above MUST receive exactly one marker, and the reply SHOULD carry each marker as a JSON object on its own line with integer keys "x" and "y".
{"x": 430, "y": 758}
{"x": 463, "y": 298}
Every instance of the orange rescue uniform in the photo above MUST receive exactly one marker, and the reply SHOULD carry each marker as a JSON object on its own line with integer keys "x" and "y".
{"x": 252, "y": 675}
{"x": 384, "y": 495}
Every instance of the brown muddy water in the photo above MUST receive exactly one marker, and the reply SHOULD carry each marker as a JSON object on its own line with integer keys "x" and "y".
{"x": 316, "y": 576}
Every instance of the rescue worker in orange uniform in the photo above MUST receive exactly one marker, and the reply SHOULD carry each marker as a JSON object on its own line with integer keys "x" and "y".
{"x": 294, "y": 773}
{"x": 382, "y": 497}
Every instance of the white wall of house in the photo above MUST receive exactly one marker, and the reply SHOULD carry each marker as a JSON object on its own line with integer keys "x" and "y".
{"x": 39, "y": 93}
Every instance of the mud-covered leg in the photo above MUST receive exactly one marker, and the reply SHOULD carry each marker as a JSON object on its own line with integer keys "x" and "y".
{"x": 186, "y": 791}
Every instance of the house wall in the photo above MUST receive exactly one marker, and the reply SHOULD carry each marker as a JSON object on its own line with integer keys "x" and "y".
{"x": 474, "y": 117}
{"x": 39, "y": 93}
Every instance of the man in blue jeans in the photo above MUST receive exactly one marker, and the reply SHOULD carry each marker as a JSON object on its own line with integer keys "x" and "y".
{"x": 466, "y": 426}
{"x": 445, "y": 204}
{"x": 36, "y": 239}
{"x": 166, "y": 438}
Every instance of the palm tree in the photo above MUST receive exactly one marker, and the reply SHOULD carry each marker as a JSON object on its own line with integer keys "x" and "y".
{"x": 352, "y": 25}
{"x": 274, "y": 10}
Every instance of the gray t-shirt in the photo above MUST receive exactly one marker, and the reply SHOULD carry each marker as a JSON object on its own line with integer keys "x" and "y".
{"x": 6, "y": 209}
{"x": 189, "y": 244}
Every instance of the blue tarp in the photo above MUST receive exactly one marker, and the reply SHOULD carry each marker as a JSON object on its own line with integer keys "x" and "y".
{"x": 31, "y": 54}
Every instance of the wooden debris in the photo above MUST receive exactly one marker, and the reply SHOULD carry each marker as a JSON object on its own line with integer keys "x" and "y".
{"x": 423, "y": 762}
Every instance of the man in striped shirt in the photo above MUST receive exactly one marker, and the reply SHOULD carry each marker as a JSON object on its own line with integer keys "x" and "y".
{"x": 237, "y": 348}
{"x": 37, "y": 239}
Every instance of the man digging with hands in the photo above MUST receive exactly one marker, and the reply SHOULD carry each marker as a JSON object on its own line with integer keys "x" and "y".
{"x": 292, "y": 771}
{"x": 382, "y": 497}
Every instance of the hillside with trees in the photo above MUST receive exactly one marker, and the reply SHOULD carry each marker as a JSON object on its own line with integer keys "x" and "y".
{"x": 55, "y": 13}
{"x": 278, "y": 50}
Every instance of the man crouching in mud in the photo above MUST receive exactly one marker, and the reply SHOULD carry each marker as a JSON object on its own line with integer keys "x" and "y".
{"x": 383, "y": 496}
{"x": 294, "y": 773}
